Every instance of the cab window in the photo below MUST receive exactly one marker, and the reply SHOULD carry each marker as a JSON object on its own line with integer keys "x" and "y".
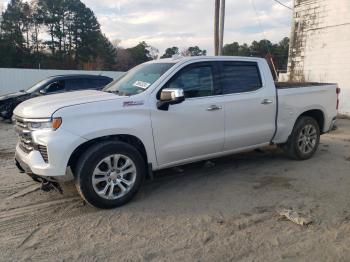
{"x": 196, "y": 81}
{"x": 240, "y": 77}
{"x": 55, "y": 86}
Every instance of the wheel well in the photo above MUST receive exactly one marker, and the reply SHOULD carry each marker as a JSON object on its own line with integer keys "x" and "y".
{"x": 129, "y": 139}
{"x": 317, "y": 115}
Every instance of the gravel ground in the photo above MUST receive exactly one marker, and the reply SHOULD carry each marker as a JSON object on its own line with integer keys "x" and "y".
{"x": 221, "y": 211}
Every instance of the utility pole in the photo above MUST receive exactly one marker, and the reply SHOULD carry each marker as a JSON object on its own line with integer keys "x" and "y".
{"x": 216, "y": 27}
{"x": 222, "y": 26}
{"x": 219, "y": 22}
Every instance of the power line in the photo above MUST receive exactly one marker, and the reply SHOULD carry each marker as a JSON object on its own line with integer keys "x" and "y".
{"x": 277, "y": 1}
{"x": 260, "y": 24}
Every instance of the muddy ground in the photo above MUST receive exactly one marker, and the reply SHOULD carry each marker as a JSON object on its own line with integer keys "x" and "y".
{"x": 224, "y": 211}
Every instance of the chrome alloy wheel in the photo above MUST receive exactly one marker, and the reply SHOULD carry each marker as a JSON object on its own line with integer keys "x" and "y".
{"x": 307, "y": 139}
{"x": 114, "y": 176}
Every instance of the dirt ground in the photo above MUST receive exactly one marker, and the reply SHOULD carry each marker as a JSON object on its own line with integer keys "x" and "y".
{"x": 222, "y": 211}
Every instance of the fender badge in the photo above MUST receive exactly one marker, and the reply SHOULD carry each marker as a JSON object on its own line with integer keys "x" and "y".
{"x": 133, "y": 103}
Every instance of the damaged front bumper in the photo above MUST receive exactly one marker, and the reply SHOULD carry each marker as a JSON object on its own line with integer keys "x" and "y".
{"x": 47, "y": 184}
{"x": 23, "y": 167}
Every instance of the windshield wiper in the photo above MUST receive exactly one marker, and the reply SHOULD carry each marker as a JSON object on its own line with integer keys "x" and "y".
{"x": 112, "y": 92}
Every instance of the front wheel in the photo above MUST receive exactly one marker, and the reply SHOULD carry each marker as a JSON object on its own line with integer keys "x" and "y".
{"x": 109, "y": 174}
{"x": 304, "y": 140}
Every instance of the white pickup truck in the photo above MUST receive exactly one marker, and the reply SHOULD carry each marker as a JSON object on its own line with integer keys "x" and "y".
{"x": 166, "y": 113}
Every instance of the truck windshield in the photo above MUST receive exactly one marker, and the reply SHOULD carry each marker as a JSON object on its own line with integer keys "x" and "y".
{"x": 138, "y": 79}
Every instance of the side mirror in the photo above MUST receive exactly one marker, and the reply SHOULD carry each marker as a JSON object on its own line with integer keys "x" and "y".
{"x": 42, "y": 91}
{"x": 170, "y": 96}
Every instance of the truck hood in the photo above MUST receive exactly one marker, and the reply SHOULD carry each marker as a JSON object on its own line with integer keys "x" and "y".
{"x": 45, "y": 106}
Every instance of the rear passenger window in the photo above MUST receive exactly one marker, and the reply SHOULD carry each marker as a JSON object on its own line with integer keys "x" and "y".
{"x": 93, "y": 83}
{"x": 96, "y": 83}
{"x": 240, "y": 77}
{"x": 104, "y": 82}
{"x": 75, "y": 84}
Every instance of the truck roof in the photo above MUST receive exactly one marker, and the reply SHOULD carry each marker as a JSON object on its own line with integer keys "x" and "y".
{"x": 177, "y": 59}
{"x": 67, "y": 76}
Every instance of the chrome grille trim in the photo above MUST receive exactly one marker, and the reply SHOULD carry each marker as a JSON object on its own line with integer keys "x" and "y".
{"x": 24, "y": 135}
{"x": 21, "y": 124}
{"x": 25, "y": 120}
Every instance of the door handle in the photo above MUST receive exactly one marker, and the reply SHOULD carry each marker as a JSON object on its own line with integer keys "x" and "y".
{"x": 214, "y": 107}
{"x": 266, "y": 102}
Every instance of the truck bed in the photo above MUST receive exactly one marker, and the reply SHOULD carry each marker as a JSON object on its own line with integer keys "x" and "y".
{"x": 296, "y": 98}
{"x": 285, "y": 85}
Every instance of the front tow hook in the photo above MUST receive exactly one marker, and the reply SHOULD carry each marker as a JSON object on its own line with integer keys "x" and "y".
{"x": 49, "y": 186}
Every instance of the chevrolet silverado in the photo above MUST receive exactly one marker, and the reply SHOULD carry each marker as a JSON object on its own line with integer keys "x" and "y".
{"x": 166, "y": 113}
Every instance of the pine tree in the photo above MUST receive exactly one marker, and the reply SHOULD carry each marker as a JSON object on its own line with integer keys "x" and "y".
{"x": 12, "y": 49}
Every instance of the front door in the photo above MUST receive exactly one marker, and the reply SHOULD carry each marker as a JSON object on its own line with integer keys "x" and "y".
{"x": 195, "y": 127}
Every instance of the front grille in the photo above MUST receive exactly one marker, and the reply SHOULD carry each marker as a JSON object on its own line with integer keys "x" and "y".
{"x": 43, "y": 151}
{"x": 21, "y": 123}
{"x": 25, "y": 139}
{"x": 24, "y": 135}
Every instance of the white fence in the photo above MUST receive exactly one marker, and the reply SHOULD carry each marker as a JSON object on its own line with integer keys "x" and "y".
{"x": 14, "y": 79}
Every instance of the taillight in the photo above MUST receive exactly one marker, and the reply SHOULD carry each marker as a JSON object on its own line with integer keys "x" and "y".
{"x": 337, "y": 90}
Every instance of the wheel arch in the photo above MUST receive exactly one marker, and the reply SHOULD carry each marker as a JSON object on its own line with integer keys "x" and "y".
{"x": 316, "y": 114}
{"x": 126, "y": 138}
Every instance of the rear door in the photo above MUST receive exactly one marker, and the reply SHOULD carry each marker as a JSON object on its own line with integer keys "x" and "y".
{"x": 195, "y": 127}
{"x": 249, "y": 105}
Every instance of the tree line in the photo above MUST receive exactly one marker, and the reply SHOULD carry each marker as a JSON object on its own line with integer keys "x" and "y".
{"x": 65, "y": 34}
{"x": 52, "y": 34}
{"x": 278, "y": 52}
{"x": 262, "y": 48}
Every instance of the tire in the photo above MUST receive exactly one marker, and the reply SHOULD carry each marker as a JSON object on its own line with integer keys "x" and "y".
{"x": 305, "y": 134}
{"x": 99, "y": 172}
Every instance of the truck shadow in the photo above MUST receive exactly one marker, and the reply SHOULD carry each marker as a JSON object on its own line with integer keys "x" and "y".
{"x": 253, "y": 164}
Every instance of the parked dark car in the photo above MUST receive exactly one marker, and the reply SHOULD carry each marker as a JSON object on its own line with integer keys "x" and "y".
{"x": 51, "y": 85}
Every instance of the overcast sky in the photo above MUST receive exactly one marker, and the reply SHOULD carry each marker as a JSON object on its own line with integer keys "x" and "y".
{"x": 183, "y": 23}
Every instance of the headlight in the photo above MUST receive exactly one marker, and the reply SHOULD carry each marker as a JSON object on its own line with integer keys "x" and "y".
{"x": 45, "y": 124}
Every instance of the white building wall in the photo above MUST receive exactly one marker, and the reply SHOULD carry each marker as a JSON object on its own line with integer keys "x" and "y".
{"x": 320, "y": 45}
{"x": 14, "y": 79}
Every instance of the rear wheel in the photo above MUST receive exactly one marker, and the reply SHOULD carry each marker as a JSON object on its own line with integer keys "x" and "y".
{"x": 109, "y": 174}
{"x": 304, "y": 140}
